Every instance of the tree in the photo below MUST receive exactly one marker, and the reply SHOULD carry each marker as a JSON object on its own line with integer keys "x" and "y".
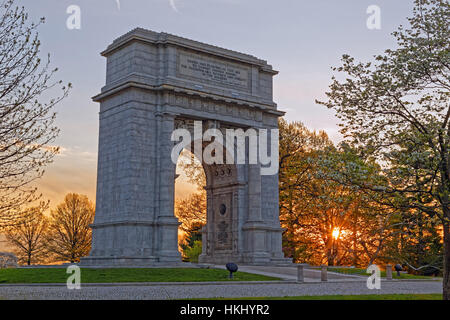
{"x": 192, "y": 214}
{"x": 296, "y": 145}
{"x": 417, "y": 243}
{"x": 26, "y": 125}
{"x": 194, "y": 251}
{"x": 396, "y": 109}
{"x": 328, "y": 219}
{"x": 28, "y": 236}
{"x": 366, "y": 221}
{"x": 191, "y": 246}
{"x": 193, "y": 169}
{"x": 191, "y": 211}
{"x": 69, "y": 237}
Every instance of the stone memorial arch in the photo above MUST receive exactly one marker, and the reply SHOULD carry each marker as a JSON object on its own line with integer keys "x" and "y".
{"x": 156, "y": 83}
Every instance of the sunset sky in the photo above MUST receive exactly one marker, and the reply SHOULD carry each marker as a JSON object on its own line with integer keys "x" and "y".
{"x": 301, "y": 39}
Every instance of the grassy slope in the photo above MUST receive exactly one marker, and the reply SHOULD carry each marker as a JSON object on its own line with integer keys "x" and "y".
{"x": 362, "y": 272}
{"x": 59, "y": 275}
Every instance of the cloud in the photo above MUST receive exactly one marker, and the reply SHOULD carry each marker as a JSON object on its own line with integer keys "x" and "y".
{"x": 73, "y": 170}
{"x": 173, "y": 5}
{"x": 77, "y": 153}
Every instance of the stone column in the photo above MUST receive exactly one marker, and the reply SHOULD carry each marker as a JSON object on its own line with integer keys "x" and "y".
{"x": 254, "y": 193}
{"x": 207, "y": 231}
{"x": 323, "y": 273}
{"x": 166, "y": 221}
{"x": 389, "y": 272}
{"x": 124, "y": 221}
{"x": 301, "y": 273}
{"x": 257, "y": 242}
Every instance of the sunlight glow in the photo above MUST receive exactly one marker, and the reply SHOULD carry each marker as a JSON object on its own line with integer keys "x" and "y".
{"x": 336, "y": 233}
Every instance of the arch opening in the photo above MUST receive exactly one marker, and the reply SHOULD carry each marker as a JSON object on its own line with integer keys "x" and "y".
{"x": 190, "y": 205}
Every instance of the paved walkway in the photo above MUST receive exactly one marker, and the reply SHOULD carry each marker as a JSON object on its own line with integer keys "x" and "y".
{"x": 338, "y": 284}
{"x": 290, "y": 273}
{"x": 201, "y": 290}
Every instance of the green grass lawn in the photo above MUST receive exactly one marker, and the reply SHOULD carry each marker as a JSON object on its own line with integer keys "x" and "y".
{"x": 436, "y": 296}
{"x": 362, "y": 272}
{"x": 88, "y": 275}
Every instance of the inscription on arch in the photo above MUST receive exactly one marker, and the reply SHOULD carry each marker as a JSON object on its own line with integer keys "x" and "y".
{"x": 213, "y": 71}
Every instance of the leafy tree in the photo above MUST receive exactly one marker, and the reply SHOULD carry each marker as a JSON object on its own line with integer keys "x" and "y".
{"x": 191, "y": 211}
{"x": 69, "y": 237}
{"x": 192, "y": 242}
{"x": 27, "y": 238}
{"x": 193, "y": 252}
{"x": 327, "y": 219}
{"x": 296, "y": 145}
{"x": 396, "y": 109}
{"x": 416, "y": 243}
{"x": 26, "y": 124}
{"x": 368, "y": 220}
{"x": 192, "y": 214}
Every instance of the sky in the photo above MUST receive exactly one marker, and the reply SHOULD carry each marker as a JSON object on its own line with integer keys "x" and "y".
{"x": 302, "y": 39}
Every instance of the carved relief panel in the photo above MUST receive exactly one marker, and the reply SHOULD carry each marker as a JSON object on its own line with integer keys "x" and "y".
{"x": 223, "y": 214}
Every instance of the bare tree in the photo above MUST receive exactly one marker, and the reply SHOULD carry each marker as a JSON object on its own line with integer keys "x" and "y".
{"x": 193, "y": 169}
{"x": 69, "y": 237}
{"x": 28, "y": 237}
{"x": 26, "y": 124}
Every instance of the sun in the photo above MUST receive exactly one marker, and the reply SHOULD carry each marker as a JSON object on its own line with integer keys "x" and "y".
{"x": 336, "y": 233}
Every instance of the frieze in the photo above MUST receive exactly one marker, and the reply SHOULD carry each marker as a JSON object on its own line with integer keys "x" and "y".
{"x": 220, "y": 108}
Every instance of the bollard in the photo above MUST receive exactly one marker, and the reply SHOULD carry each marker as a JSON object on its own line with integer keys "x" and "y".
{"x": 389, "y": 272}
{"x": 324, "y": 274}
{"x": 300, "y": 273}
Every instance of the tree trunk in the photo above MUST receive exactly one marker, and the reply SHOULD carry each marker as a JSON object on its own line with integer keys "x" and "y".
{"x": 446, "y": 282}
{"x": 355, "y": 244}
{"x": 329, "y": 250}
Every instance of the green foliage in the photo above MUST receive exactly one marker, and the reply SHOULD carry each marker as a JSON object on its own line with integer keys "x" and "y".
{"x": 396, "y": 110}
{"x": 417, "y": 244}
{"x": 193, "y": 252}
{"x": 317, "y": 198}
{"x": 192, "y": 244}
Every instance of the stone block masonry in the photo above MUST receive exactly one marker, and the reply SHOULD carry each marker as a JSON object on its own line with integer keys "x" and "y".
{"x": 155, "y": 83}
